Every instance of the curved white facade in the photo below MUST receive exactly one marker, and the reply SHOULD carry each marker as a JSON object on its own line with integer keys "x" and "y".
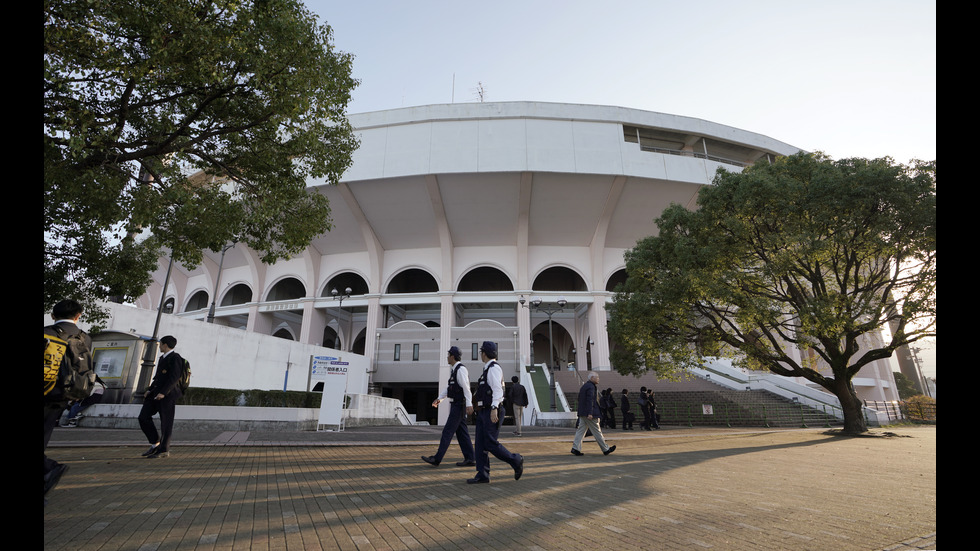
{"x": 450, "y": 214}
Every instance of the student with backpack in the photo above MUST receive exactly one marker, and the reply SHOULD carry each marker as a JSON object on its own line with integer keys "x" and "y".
{"x": 69, "y": 374}
{"x": 161, "y": 398}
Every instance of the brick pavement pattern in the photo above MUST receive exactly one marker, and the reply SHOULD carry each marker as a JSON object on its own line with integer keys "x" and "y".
{"x": 682, "y": 489}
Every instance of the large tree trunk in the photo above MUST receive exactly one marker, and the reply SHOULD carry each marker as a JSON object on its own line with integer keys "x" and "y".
{"x": 854, "y": 422}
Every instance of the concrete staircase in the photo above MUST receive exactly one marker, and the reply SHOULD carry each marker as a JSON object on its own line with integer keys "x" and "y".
{"x": 699, "y": 402}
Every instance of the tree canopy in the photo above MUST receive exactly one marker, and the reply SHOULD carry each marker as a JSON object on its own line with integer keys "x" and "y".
{"x": 794, "y": 267}
{"x": 184, "y": 126}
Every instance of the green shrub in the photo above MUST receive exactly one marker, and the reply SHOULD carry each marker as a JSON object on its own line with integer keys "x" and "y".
{"x": 198, "y": 396}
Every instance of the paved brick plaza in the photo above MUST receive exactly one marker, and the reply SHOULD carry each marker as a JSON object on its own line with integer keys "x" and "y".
{"x": 670, "y": 489}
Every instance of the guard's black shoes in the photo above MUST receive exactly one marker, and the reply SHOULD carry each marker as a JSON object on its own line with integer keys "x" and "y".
{"x": 609, "y": 451}
{"x": 466, "y": 463}
{"x": 431, "y": 460}
{"x": 576, "y": 452}
{"x": 519, "y": 468}
{"x": 151, "y": 451}
{"x": 478, "y": 480}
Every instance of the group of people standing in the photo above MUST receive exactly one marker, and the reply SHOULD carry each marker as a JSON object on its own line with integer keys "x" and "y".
{"x": 646, "y": 403}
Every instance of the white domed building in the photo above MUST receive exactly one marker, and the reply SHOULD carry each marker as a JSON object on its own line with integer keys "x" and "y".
{"x": 453, "y": 217}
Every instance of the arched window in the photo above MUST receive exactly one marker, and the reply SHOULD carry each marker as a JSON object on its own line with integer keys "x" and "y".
{"x": 198, "y": 301}
{"x": 343, "y": 281}
{"x": 485, "y": 278}
{"x": 289, "y": 288}
{"x": 413, "y": 280}
{"x": 618, "y": 278}
{"x": 239, "y": 294}
{"x": 559, "y": 278}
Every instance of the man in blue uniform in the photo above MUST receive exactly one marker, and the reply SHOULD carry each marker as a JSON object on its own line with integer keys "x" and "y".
{"x": 461, "y": 404}
{"x": 489, "y": 395}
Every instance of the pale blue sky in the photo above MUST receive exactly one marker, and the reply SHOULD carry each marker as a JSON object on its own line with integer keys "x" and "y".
{"x": 850, "y": 78}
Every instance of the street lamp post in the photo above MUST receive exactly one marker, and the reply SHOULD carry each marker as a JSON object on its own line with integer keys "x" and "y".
{"x": 550, "y": 311}
{"x": 338, "y": 297}
{"x": 217, "y": 280}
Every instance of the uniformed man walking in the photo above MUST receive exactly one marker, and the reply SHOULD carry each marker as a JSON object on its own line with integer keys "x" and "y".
{"x": 489, "y": 395}
{"x": 461, "y": 404}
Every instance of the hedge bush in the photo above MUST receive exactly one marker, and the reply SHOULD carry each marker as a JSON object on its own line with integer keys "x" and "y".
{"x": 196, "y": 396}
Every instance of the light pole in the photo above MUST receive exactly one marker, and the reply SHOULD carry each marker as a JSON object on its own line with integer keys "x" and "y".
{"x": 588, "y": 354}
{"x": 150, "y": 349}
{"x": 550, "y": 311}
{"x": 217, "y": 280}
{"x": 340, "y": 298}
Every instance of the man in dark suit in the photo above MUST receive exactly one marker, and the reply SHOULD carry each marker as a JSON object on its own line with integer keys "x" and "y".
{"x": 652, "y": 404}
{"x": 644, "y": 408}
{"x": 518, "y": 399}
{"x": 161, "y": 397}
{"x": 610, "y": 408}
{"x": 588, "y": 415}
{"x": 625, "y": 408}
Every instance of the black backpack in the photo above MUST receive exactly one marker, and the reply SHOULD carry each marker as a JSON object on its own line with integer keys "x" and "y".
{"x": 185, "y": 376}
{"x": 67, "y": 365}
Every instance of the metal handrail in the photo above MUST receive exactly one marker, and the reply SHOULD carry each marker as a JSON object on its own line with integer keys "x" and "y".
{"x": 694, "y": 154}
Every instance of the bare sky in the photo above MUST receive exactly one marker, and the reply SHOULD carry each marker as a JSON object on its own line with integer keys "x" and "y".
{"x": 850, "y": 78}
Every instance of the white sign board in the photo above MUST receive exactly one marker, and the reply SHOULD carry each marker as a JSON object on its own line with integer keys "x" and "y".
{"x": 332, "y": 371}
{"x": 706, "y": 409}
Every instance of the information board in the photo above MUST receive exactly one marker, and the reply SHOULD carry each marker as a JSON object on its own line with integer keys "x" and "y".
{"x": 332, "y": 372}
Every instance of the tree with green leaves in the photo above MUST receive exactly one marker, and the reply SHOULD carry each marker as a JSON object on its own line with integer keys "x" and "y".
{"x": 180, "y": 127}
{"x": 795, "y": 267}
{"x": 906, "y": 388}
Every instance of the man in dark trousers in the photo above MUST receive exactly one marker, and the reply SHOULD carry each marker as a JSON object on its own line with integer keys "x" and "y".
{"x": 161, "y": 397}
{"x": 66, "y": 314}
{"x": 610, "y": 408}
{"x": 461, "y": 404}
{"x": 652, "y": 404}
{"x": 644, "y": 408}
{"x": 588, "y": 415}
{"x": 625, "y": 408}
{"x": 518, "y": 399}
{"x": 486, "y": 401}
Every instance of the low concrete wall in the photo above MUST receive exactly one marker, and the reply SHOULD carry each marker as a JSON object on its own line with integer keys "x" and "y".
{"x": 555, "y": 419}
{"x": 364, "y": 411}
{"x": 367, "y": 410}
{"x": 225, "y": 357}
{"x": 225, "y": 418}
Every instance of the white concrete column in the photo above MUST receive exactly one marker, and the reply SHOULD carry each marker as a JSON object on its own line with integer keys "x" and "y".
{"x": 373, "y": 325}
{"x": 258, "y": 322}
{"x": 309, "y": 326}
{"x": 597, "y": 331}
{"x": 447, "y": 317}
